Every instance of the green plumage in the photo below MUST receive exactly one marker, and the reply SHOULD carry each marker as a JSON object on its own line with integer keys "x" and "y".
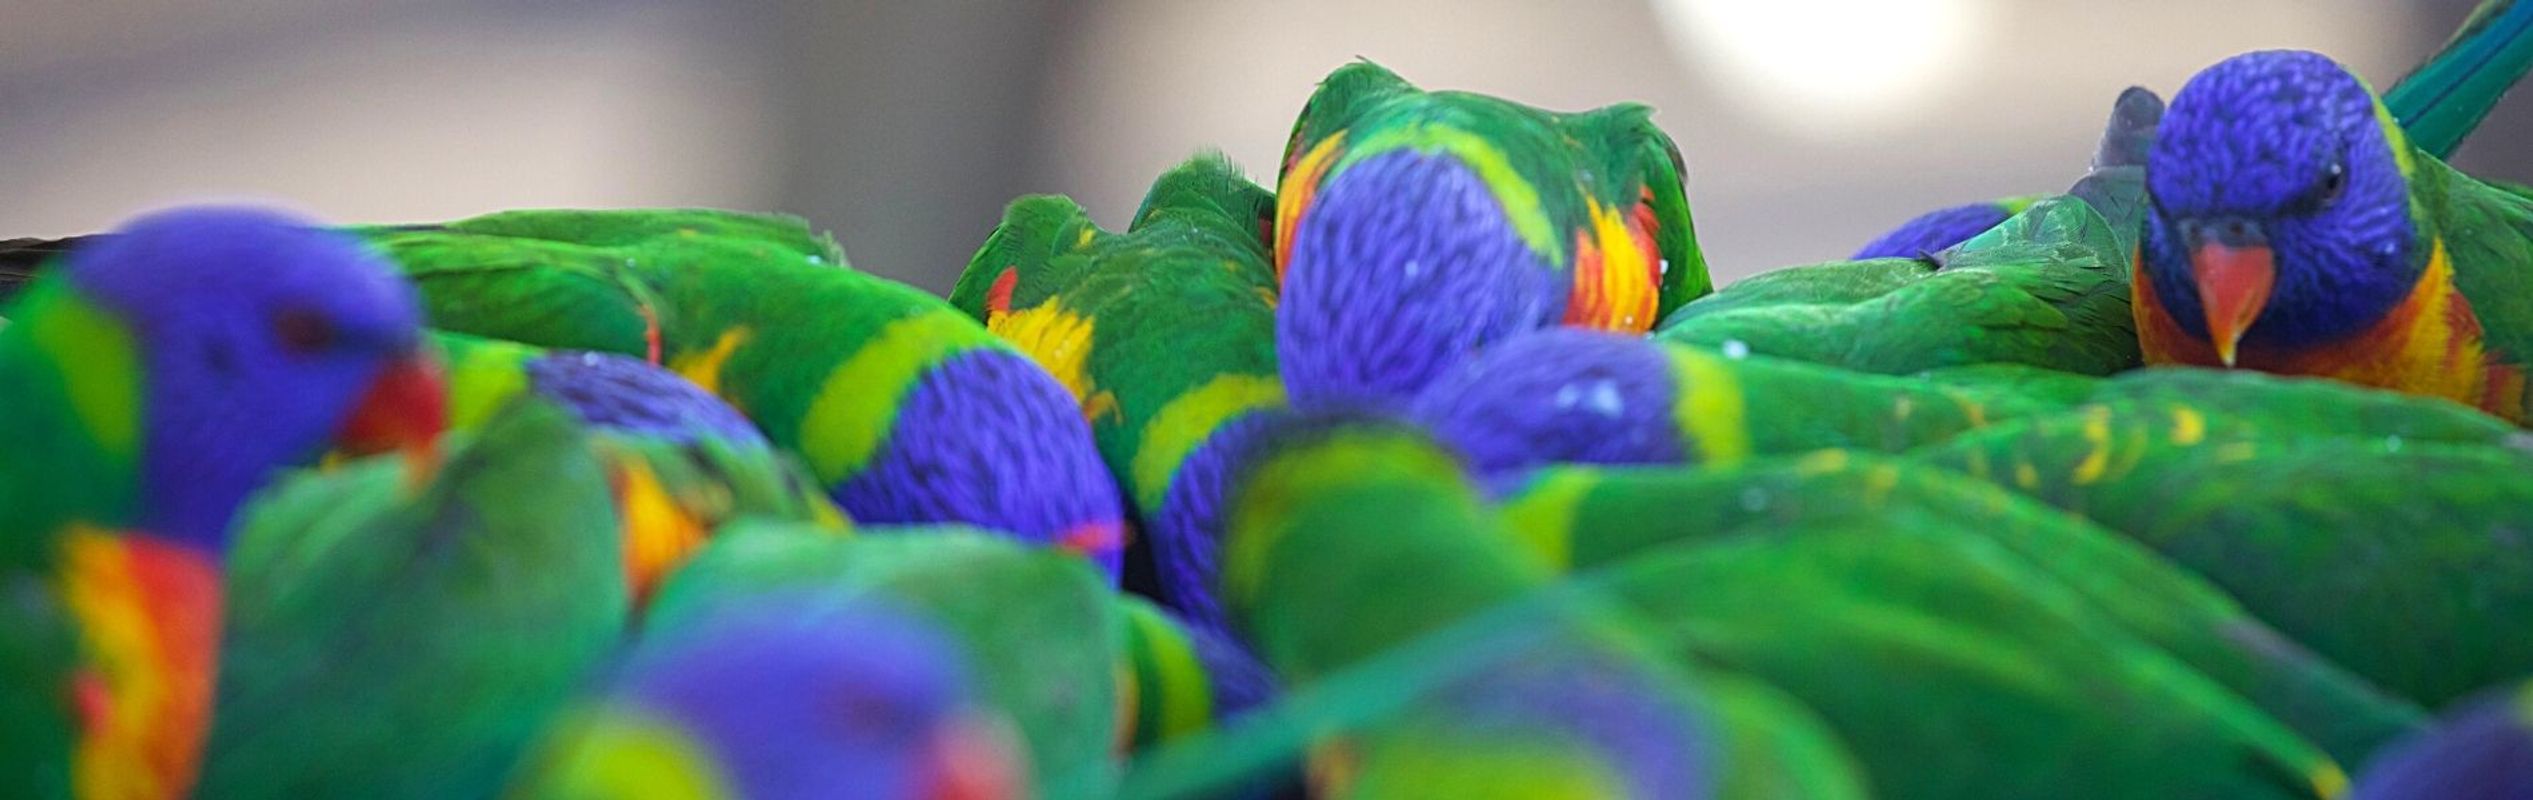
{"x": 2228, "y": 400}
{"x": 1170, "y": 323}
{"x": 1038, "y": 627}
{"x": 1587, "y": 518}
{"x": 52, "y": 472}
{"x": 1320, "y": 533}
{"x": 1170, "y": 697}
{"x": 2062, "y": 306}
{"x": 756, "y": 309}
{"x": 2487, "y": 232}
{"x": 2442, "y": 100}
{"x": 392, "y": 644}
{"x": 1613, "y": 159}
{"x": 2048, "y": 288}
{"x": 2014, "y": 687}
{"x": 602, "y": 280}
{"x": 821, "y": 358}
{"x": 1776, "y": 406}
{"x": 2391, "y": 553}
{"x": 55, "y": 470}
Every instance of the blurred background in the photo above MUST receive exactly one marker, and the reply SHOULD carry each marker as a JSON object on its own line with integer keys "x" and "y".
{"x": 1809, "y": 125}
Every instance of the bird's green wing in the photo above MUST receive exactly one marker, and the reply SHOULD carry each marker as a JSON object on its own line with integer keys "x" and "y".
{"x": 2016, "y": 687}
{"x": 1585, "y": 518}
{"x": 2395, "y": 557}
{"x": 386, "y": 642}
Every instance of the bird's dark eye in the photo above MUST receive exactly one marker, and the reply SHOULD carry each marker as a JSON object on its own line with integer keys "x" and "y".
{"x": 2334, "y": 179}
{"x": 303, "y": 330}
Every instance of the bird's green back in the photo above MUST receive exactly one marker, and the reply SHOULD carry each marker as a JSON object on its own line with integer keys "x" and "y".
{"x": 2015, "y": 688}
{"x": 1588, "y": 518}
{"x": 2388, "y": 554}
{"x": 2049, "y": 287}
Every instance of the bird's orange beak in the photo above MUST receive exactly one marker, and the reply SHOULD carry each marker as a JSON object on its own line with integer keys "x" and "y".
{"x": 975, "y": 756}
{"x": 2234, "y": 285}
{"x": 404, "y": 410}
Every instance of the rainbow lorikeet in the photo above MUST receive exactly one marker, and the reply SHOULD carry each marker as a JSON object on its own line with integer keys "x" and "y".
{"x": 2391, "y": 551}
{"x": 785, "y": 697}
{"x": 2483, "y": 750}
{"x": 2296, "y": 229}
{"x": 1164, "y": 334}
{"x": 1552, "y": 696}
{"x": 1414, "y": 227}
{"x": 1583, "y": 518}
{"x": 388, "y": 641}
{"x": 905, "y": 411}
{"x": 682, "y": 462}
{"x": 2048, "y": 287}
{"x": 2437, "y": 105}
{"x": 150, "y": 383}
{"x": 1039, "y": 629}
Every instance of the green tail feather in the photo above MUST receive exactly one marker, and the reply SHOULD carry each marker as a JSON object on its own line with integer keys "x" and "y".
{"x": 2443, "y": 100}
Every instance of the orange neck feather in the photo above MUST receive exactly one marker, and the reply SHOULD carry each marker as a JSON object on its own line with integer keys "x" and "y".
{"x": 2428, "y": 345}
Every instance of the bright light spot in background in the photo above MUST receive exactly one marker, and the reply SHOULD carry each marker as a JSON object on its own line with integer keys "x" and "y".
{"x": 1827, "y": 68}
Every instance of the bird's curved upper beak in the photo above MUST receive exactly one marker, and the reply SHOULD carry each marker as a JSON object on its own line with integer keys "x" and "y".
{"x": 404, "y": 410}
{"x": 2234, "y": 283}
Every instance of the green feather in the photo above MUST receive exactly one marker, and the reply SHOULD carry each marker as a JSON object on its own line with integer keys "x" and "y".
{"x": 2442, "y": 100}
{"x": 1165, "y": 332}
{"x": 388, "y": 643}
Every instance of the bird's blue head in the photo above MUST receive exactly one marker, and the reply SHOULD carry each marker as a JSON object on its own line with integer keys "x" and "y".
{"x": 259, "y": 340}
{"x": 2282, "y": 213}
{"x": 790, "y": 696}
{"x": 623, "y": 393}
{"x": 1557, "y": 396}
{"x": 1404, "y": 264}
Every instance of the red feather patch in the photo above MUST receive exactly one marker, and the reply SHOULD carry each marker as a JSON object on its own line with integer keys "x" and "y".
{"x": 998, "y": 298}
